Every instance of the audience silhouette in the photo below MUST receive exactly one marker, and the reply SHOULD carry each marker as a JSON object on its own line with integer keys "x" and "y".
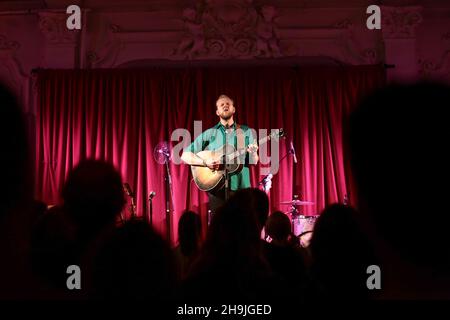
{"x": 231, "y": 264}
{"x": 69, "y": 234}
{"x": 134, "y": 263}
{"x": 189, "y": 238}
{"x": 395, "y": 142}
{"x": 16, "y": 203}
{"x": 93, "y": 196}
{"x": 396, "y": 145}
{"x": 340, "y": 256}
{"x": 285, "y": 258}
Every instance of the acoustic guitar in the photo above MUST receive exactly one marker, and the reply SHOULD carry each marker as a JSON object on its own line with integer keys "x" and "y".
{"x": 207, "y": 179}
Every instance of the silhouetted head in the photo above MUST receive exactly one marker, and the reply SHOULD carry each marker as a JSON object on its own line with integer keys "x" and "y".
{"x": 135, "y": 263}
{"x": 278, "y": 226}
{"x": 237, "y": 225}
{"x": 93, "y": 194}
{"x": 231, "y": 262}
{"x": 16, "y": 188}
{"x": 255, "y": 200}
{"x": 189, "y": 232}
{"x": 53, "y": 238}
{"x": 15, "y": 173}
{"x": 341, "y": 253}
{"x": 397, "y": 142}
{"x": 335, "y": 231}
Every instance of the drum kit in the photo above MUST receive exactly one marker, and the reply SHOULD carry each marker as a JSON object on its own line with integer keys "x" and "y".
{"x": 302, "y": 225}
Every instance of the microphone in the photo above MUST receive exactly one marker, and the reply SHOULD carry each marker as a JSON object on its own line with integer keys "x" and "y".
{"x": 164, "y": 153}
{"x": 128, "y": 190}
{"x": 293, "y": 152}
{"x": 151, "y": 195}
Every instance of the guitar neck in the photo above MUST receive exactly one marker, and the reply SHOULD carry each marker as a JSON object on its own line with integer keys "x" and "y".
{"x": 239, "y": 153}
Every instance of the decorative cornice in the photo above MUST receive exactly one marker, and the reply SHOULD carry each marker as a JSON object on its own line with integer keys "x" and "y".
{"x": 400, "y": 22}
{"x": 344, "y": 24}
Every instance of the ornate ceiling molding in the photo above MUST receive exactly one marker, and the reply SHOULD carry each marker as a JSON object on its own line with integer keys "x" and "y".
{"x": 355, "y": 50}
{"x": 400, "y": 22}
{"x": 229, "y": 29}
{"x": 437, "y": 68}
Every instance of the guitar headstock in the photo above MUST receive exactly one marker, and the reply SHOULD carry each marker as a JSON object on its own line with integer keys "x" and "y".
{"x": 278, "y": 133}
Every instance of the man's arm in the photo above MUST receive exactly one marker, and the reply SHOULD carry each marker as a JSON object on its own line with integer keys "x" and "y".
{"x": 189, "y": 155}
{"x": 192, "y": 159}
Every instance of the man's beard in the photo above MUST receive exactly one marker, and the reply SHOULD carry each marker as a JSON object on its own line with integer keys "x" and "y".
{"x": 226, "y": 116}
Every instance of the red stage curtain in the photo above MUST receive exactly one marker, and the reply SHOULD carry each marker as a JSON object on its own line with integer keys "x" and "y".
{"x": 120, "y": 115}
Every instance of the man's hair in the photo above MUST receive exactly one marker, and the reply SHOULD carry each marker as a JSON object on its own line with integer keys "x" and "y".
{"x": 224, "y": 96}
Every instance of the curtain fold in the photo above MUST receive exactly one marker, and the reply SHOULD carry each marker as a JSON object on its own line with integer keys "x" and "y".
{"x": 121, "y": 115}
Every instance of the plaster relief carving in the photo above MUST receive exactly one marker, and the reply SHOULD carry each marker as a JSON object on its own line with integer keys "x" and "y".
{"x": 437, "y": 68}
{"x": 400, "y": 22}
{"x": 6, "y": 44}
{"x": 105, "y": 56}
{"x": 193, "y": 42}
{"x": 53, "y": 27}
{"x": 229, "y": 29}
{"x": 355, "y": 50}
{"x": 11, "y": 71}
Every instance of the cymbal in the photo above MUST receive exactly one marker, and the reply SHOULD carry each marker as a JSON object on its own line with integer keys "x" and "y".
{"x": 301, "y": 216}
{"x": 297, "y": 203}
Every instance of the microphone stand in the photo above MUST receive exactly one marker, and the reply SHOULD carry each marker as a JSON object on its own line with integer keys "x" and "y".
{"x": 150, "y": 200}
{"x": 169, "y": 199}
{"x": 225, "y": 173}
{"x": 133, "y": 207}
{"x": 282, "y": 158}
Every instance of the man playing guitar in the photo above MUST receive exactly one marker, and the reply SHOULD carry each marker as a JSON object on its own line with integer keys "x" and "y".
{"x": 225, "y": 134}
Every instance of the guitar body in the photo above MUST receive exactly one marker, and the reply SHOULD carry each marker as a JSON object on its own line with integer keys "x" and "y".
{"x": 209, "y": 180}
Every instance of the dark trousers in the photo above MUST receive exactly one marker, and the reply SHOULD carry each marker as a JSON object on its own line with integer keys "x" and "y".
{"x": 216, "y": 200}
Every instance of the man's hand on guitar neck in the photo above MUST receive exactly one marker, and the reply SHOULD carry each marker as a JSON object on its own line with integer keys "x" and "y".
{"x": 252, "y": 148}
{"x": 253, "y": 151}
